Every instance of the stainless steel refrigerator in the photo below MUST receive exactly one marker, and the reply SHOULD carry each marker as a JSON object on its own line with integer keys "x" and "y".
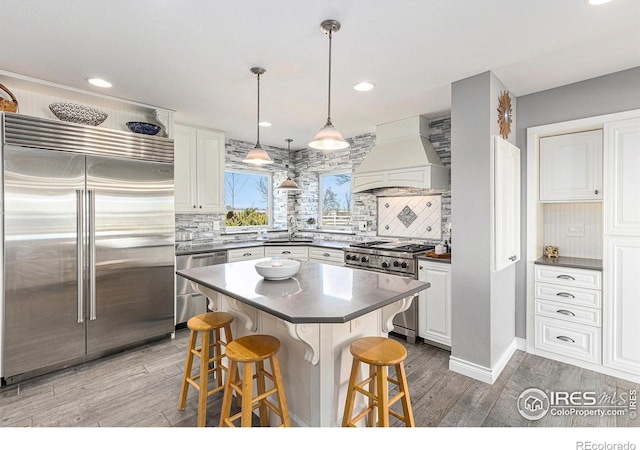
{"x": 88, "y": 249}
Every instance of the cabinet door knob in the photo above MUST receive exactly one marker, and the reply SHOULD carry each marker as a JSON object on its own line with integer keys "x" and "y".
{"x": 596, "y": 192}
{"x": 194, "y": 206}
{"x": 566, "y": 312}
{"x": 247, "y": 254}
{"x": 200, "y": 206}
{"x": 326, "y": 255}
{"x": 420, "y": 267}
{"x": 566, "y": 339}
{"x": 565, "y": 294}
{"x": 286, "y": 252}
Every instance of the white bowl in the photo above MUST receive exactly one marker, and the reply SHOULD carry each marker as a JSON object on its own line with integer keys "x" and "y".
{"x": 277, "y": 269}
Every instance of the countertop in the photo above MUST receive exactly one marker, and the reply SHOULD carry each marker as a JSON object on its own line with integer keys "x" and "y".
{"x": 318, "y": 293}
{"x": 246, "y": 244}
{"x": 566, "y": 261}
{"x": 430, "y": 258}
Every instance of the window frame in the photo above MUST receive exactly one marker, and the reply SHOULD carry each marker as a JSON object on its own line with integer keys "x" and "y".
{"x": 269, "y": 177}
{"x": 321, "y": 225}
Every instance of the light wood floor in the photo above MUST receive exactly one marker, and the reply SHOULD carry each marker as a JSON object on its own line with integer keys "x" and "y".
{"x": 140, "y": 388}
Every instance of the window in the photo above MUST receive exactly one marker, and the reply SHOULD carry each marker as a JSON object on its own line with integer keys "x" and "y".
{"x": 335, "y": 200}
{"x": 247, "y": 199}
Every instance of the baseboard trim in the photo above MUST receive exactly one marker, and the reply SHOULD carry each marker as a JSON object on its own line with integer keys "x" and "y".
{"x": 481, "y": 373}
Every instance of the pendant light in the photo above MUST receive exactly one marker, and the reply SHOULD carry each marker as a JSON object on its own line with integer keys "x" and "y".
{"x": 289, "y": 184}
{"x": 329, "y": 138}
{"x": 258, "y": 156}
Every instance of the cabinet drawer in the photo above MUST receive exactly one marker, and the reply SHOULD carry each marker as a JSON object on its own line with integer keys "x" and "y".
{"x": 288, "y": 251}
{"x": 243, "y": 254}
{"x": 571, "y": 313}
{"x": 567, "y": 276}
{"x": 569, "y": 339}
{"x": 568, "y": 294}
{"x": 329, "y": 255}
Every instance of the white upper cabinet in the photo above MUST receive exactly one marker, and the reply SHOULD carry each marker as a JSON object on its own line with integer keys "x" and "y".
{"x": 505, "y": 214}
{"x": 622, "y": 175}
{"x": 199, "y": 170}
{"x": 571, "y": 167}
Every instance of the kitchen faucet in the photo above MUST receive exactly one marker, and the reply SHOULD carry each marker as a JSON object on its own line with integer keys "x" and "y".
{"x": 291, "y": 228}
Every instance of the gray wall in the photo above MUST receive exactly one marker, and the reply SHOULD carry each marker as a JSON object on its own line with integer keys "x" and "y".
{"x": 607, "y": 94}
{"x": 483, "y": 316}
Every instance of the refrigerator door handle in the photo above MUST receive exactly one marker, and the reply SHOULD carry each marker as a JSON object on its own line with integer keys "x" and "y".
{"x": 80, "y": 251}
{"x": 91, "y": 197}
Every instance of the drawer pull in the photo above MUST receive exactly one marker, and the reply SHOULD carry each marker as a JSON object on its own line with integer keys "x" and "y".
{"x": 565, "y": 294}
{"x": 326, "y": 255}
{"x": 247, "y": 254}
{"x": 566, "y": 339}
{"x": 566, "y": 312}
{"x": 286, "y": 252}
{"x": 566, "y": 277}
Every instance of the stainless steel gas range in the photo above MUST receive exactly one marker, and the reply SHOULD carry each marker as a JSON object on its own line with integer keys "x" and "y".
{"x": 397, "y": 258}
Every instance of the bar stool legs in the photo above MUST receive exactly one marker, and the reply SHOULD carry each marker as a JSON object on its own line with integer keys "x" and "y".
{"x": 250, "y": 351}
{"x": 379, "y": 353}
{"x": 205, "y": 324}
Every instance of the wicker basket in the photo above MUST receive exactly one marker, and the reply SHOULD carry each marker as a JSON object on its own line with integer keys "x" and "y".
{"x": 8, "y": 105}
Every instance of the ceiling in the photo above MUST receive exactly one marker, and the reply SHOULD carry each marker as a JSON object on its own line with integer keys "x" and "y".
{"x": 194, "y": 56}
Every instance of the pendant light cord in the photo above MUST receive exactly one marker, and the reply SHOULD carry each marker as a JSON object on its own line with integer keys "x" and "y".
{"x": 258, "y": 122}
{"x": 329, "y": 97}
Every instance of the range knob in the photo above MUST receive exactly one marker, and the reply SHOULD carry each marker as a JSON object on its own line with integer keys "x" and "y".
{"x": 404, "y": 265}
{"x": 385, "y": 265}
{"x": 364, "y": 259}
{"x": 396, "y": 264}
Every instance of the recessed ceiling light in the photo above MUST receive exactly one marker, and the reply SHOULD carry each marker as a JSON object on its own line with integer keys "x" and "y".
{"x": 363, "y": 86}
{"x": 598, "y": 2}
{"x": 99, "y": 82}
{"x": 264, "y": 124}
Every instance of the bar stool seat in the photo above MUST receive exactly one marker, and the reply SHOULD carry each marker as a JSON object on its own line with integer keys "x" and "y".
{"x": 379, "y": 353}
{"x": 205, "y": 324}
{"x": 249, "y": 351}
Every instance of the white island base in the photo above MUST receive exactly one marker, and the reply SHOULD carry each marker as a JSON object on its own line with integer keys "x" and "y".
{"x": 314, "y": 357}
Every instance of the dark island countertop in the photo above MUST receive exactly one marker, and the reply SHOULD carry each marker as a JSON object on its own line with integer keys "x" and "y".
{"x": 318, "y": 293}
{"x": 222, "y": 246}
{"x": 567, "y": 261}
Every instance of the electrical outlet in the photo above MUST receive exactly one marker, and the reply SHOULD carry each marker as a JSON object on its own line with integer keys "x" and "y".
{"x": 575, "y": 230}
{"x": 355, "y": 324}
{"x": 216, "y": 225}
{"x": 362, "y": 225}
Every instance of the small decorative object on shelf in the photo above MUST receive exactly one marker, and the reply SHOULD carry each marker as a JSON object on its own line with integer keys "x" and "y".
{"x": 551, "y": 251}
{"x": 504, "y": 114}
{"x": 143, "y": 128}
{"x": 8, "y": 105}
{"x": 72, "y": 112}
{"x": 311, "y": 222}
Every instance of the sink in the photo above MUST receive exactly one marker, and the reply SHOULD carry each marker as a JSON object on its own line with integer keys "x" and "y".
{"x": 287, "y": 241}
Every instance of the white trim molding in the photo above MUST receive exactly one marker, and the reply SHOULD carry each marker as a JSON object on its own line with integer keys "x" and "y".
{"x": 481, "y": 373}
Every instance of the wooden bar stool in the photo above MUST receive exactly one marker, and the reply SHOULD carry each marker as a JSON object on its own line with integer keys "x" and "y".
{"x": 379, "y": 353}
{"x": 205, "y": 324}
{"x": 250, "y": 350}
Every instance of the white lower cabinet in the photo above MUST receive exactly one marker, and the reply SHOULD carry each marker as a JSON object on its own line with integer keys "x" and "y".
{"x": 434, "y": 303}
{"x": 622, "y": 304}
{"x": 327, "y": 256}
{"x": 568, "y": 312}
{"x": 287, "y": 251}
{"x": 243, "y": 254}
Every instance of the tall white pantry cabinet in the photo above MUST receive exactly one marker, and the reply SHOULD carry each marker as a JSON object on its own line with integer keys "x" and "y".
{"x": 621, "y": 262}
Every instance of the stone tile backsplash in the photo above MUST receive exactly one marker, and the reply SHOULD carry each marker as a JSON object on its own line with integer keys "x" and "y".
{"x": 305, "y": 165}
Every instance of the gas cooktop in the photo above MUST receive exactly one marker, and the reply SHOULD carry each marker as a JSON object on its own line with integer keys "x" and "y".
{"x": 411, "y": 247}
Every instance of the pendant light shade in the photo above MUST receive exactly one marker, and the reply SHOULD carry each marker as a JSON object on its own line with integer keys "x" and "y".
{"x": 289, "y": 184}
{"x": 258, "y": 156}
{"x": 329, "y": 138}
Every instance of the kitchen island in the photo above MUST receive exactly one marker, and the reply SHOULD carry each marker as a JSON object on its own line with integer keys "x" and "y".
{"x": 316, "y": 314}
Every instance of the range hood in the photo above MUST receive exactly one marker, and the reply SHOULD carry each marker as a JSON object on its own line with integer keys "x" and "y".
{"x": 402, "y": 157}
